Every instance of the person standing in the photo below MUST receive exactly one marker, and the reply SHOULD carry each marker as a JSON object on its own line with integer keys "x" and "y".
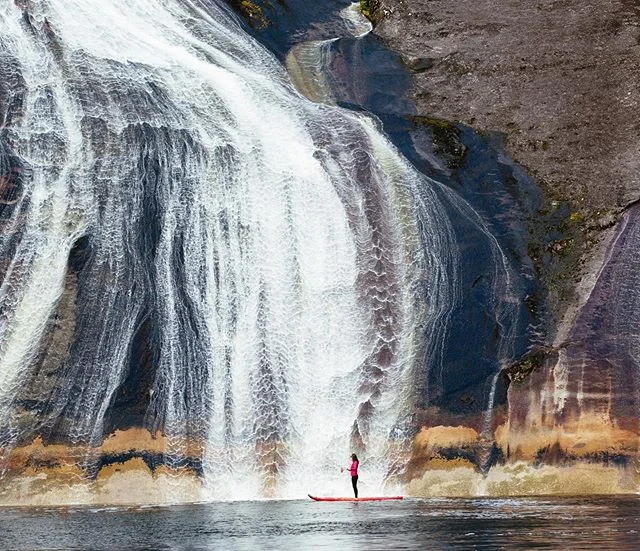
{"x": 353, "y": 470}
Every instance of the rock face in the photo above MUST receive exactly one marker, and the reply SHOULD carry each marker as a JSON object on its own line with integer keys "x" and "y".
{"x": 560, "y": 78}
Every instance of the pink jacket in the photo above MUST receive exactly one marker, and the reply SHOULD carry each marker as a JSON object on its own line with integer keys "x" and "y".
{"x": 354, "y": 468}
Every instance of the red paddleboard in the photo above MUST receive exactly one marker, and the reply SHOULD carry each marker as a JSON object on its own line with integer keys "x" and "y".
{"x": 382, "y": 498}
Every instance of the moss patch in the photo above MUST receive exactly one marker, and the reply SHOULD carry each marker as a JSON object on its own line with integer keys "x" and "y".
{"x": 252, "y": 12}
{"x": 520, "y": 370}
{"x": 446, "y": 140}
{"x": 371, "y": 10}
{"x": 564, "y": 234}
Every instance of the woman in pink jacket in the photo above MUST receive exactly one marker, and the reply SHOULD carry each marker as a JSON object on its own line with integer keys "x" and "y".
{"x": 353, "y": 470}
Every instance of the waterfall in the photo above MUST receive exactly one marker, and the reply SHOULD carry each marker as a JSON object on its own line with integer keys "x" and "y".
{"x": 487, "y": 420}
{"x": 174, "y": 209}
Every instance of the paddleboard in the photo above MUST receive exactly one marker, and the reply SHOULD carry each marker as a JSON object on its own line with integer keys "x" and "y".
{"x": 381, "y": 498}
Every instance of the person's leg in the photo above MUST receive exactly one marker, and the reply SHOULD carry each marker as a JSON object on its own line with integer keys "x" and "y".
{"x": 354, "y": 483}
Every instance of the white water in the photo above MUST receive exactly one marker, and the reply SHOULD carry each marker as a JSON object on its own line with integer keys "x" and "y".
{"x": 280, "y": 250}
{"x": 487, "y": 428}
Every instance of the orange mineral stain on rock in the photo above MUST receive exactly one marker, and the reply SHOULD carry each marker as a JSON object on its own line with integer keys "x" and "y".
{"x": 430, "y": 440}
{"x": 42, "y": 474}
{"x": 63, "y": 461}
{"x": 36, "y": 455}
{"x": 588, "y": 435}
{"x": 134, "y": 439}
{"x": 444, "y": 437}
{"x": 443, "y": 464}
{"x": 138, "y": 439}
{"x": 134, "y": 464}
{"x": 587, "y": 455}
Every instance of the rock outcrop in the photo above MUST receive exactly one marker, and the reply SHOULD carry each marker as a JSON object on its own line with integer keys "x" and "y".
{"x": 560, "y": 80}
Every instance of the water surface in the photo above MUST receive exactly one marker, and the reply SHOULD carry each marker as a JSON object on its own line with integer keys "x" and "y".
{"x": 513, "y": 523}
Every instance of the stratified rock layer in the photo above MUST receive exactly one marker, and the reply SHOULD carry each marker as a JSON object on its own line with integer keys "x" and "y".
{"x": 129, "y": 467}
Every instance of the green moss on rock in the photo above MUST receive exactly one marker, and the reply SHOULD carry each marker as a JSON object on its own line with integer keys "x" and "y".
{"x": 371, "y": 10}
{"x": 252, "y": 12}
{"x": 520, "y": 370}
{"x": 446, "y": 140}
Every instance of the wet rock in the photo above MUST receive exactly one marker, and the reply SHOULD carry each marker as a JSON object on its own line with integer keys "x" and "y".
{"x": 446, "y": 140}
{"x": 561, "y": 82}
{"x": 532, "y": 361}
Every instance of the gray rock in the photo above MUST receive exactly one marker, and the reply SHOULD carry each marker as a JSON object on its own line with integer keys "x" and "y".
{"x": 418, "y": 64}
{"x": 560, "y": 79}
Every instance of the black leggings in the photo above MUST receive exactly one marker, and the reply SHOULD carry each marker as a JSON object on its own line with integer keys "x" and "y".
{"x": 354, "y": 483}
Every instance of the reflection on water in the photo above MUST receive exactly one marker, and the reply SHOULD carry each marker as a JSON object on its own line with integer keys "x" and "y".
{"x": 517, "y": 523}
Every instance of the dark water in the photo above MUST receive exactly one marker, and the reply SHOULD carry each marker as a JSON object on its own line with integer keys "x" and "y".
{"x": 515, "y": 523}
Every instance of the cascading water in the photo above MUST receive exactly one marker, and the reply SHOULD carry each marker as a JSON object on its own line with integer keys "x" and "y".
{"x": 174, "y": 213}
